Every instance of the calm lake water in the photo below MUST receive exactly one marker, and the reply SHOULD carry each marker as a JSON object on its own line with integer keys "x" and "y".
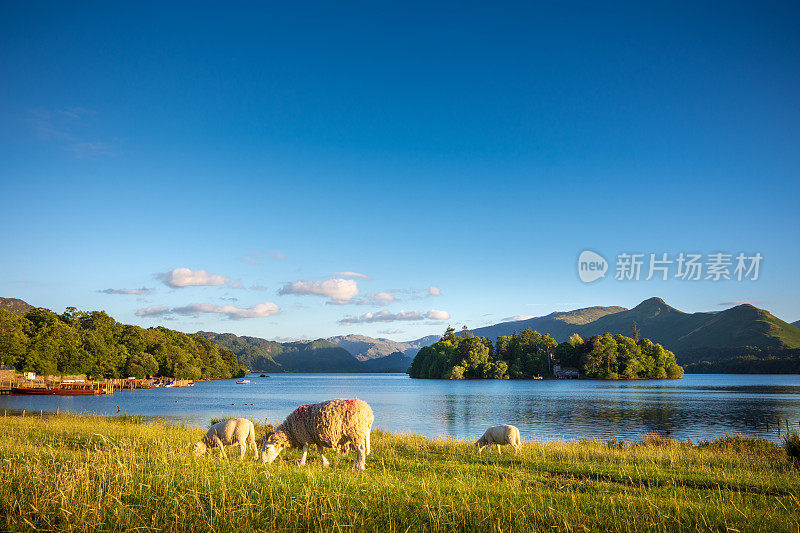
{"x": 699, "y": 407}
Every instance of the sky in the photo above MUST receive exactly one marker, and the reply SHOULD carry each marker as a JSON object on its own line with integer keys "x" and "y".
{"x": 293, "y": 171}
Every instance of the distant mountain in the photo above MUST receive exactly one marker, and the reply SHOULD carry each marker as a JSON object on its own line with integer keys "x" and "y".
{"x": 270, "y": 356}
{"x": 743, "y": 329}
{"x": 559, "y": 325}
{"x": 796, "y": 324}
{"x": 321, "y": 355}
{"x": 395, "y": 362}
{"x": 366, "y": 348}
{"x": 15, "y": 305}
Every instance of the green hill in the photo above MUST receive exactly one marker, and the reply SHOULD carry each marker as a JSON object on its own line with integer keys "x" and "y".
{"x": 743, "y": 330}
{"x": 560, "y": 325}
{"x": 263, "y": 355}
{"x": 15, "y": 305}
{"x": 79, "y": 342}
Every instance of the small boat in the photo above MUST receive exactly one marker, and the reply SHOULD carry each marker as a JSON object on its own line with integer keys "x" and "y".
{"x": 32, "y": 390}
{"x": 78, "y": 389}
{"x": 263, "y": 376}
{"x": 169, "y": 385}
{"x": 243, "y": 382}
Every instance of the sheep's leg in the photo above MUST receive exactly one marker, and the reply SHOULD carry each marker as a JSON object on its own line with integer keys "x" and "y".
{"x": 255, "y": 450}
{"x": 368, "y": 448}
{"x": 498, "y": 449}
{"x": 242, "y": 450}
{"x": 321, "y": 454}
{"x": 305, "y": 452}
{"x": 221, "y": 447}
{"x": 361, "y": 460}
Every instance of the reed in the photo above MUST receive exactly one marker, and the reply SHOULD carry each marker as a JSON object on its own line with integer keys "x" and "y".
{"x": 83, "y": 473}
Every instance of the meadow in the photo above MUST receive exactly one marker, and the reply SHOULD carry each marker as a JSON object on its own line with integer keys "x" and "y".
{"x": 87, "y": 473}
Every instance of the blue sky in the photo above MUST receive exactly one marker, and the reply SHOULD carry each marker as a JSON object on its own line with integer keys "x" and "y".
{"x": 475, "y": 149}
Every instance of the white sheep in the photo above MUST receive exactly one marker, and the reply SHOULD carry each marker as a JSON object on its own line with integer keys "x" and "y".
{"x": 238, "y": 431}
{"x": 338, "y": 424}
{"x": 499, "y": 435}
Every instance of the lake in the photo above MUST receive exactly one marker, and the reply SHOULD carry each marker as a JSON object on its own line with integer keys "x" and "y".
{"x": 698, "y": 406}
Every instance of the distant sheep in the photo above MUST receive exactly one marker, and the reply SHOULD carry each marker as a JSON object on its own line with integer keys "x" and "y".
{"x": 338, "y": 424}
{"x": 500, "y": 435}
{"x": 239, "y": 431}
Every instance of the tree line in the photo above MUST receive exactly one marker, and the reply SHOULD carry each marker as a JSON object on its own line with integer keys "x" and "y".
{"x": 93, "y": 343}
{"x": 529, "y": 354}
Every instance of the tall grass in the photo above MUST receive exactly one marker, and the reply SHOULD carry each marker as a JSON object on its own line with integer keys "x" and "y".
{"x": 104, "y": 474}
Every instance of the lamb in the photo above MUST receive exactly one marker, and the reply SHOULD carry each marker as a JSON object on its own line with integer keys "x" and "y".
{"x": 498, "y": 435}
{"x": 239, "y": 431}
{"x": 338, "y": 424}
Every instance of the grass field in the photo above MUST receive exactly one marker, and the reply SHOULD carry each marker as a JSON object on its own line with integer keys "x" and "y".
{"x": 86, "y": 473}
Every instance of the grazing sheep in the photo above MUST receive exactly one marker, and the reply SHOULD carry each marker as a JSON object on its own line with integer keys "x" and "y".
{"x": 239, "y": 431}
{"x": 338, "y": 424}
{"x": 498, "y": 435}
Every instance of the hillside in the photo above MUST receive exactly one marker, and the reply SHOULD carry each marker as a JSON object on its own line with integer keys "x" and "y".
{"x": 262, "y": 355}
{"x": 321, "y": 355}
{"x": 691, "y": 336}
{"x": 15, "y": 305}
{"x": 79, "y": 342}
{"x": 365, "y": 348}
{"x": 560, "y": 325}
{"x": 796, "y": 324}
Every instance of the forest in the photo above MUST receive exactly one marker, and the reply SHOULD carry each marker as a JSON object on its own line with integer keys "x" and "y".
{"x": 93, "y": 343}
{"x": 528, "y": 354}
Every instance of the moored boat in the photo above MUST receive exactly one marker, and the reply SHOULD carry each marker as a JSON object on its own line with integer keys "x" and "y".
{"x": 32, "y": 390}
{"x": 78, "y": 388}
{"x": 243, "y": 382}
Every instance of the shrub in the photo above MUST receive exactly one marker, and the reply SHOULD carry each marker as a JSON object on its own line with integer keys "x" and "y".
{"x": 791, "y": 443}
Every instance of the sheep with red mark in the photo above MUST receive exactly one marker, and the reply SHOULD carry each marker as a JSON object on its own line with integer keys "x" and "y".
{"x": 338, "y": 424}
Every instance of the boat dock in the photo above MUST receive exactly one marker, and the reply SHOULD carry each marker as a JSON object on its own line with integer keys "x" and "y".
{"x": 12, "y": 380}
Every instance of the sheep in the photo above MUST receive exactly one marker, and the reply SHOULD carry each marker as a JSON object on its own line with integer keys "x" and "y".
{"x": 238, "y": 431}
{"x": 498, "y": 435}
{"x": 338, "y": 424}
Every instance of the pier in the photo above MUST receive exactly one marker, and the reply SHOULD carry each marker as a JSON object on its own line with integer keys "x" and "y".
{"x": 10, "y": 379}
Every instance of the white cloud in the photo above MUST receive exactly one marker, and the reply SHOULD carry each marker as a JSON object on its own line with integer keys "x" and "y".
{"x": 349, "y": 274}
{"x": 253, "y": 258}
{"x": 387, "y": 316}
{"x": 232, "y": 312}
{"x": 258, "y": 288}
{"x": 434, "y": 291}
{"x": 276, "y": 254}
{"x": 141, "y": 292}
{"x": 436, "y": 314}
{"x": 184, "y": 277}
{"x": 390, "y": 331}
{"x": 236, "y": 284}
{"x": 516, "y": 318}
{"x": 334, "y": 288}
{"x": 153, "y": 311}
{"x": 381, "y": 298}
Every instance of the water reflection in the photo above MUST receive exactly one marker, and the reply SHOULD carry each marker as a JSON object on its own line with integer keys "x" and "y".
{"x": 699, "y": 407}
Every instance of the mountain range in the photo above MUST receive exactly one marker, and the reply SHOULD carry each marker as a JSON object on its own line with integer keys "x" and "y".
{"x": 320, "y": 355}
{"x": 740, "y": 332}
{"x": 689, "y": 335}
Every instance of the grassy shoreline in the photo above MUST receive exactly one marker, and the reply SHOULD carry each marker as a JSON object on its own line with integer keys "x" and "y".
{"x": 87, "y": 473}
